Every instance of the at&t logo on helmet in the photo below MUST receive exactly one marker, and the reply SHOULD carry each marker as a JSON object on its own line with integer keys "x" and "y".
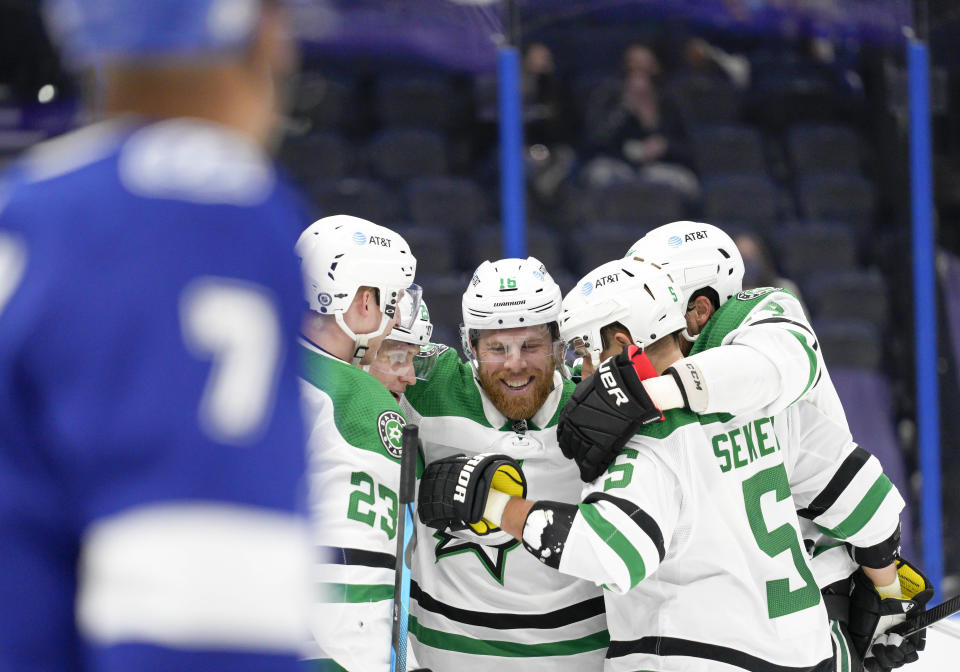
{"x": 674, "y": 241}
{"x": 586, "y": 288}
{"x": 359, "y": 238}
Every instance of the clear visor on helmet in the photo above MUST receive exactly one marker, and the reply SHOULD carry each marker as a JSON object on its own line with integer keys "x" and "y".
{"x": 426, "y": 360}
{"x": 408, "y": 306}
{"x": 532, "y": 347}
{"x": 405, "y": 362}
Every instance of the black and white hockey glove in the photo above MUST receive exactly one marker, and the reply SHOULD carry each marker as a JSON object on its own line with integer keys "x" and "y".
{"x": 874, "y": 621}
{"x": 454, "y": 491}
{"x": 605, "y": 410}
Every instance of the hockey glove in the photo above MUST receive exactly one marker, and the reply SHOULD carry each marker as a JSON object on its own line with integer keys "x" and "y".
{"x": 605, "y": 410}
{"x": 874, "y": 621}
{"x": 454, "y": 490}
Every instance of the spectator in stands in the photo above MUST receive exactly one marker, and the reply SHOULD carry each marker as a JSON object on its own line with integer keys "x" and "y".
{"x": 546, "y": 127}
{"x": 642, "y": 137}
{"x": 702, "y": 58}
{"x": 638, "y": 57}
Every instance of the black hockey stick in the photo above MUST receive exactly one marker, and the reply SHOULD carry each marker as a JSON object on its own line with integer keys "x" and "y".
{"x": 401, "y": 585}
{"x": 931, "y": 616}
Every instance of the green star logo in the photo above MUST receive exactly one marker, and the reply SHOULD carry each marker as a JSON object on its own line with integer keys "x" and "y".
{"x": 493, "y": 557}
{"x": 390, "y": 426}
{"x": 748, "y": 294}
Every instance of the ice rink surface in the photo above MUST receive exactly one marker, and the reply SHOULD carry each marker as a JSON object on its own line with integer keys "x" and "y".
{"x": 943, "y": 649}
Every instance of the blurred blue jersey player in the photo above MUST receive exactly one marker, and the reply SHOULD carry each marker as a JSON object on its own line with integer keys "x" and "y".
{"x": 151, "y": 455}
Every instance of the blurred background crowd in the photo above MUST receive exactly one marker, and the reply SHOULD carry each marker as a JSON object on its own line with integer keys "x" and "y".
{"x": 782, "y": 122}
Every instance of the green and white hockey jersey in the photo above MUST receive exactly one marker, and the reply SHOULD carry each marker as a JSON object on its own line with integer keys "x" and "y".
{"x": 773, "y": 345}
{"x": 354, "y": 429}
{"x": 482, "y": 602}
{"x": 702, "y": 558}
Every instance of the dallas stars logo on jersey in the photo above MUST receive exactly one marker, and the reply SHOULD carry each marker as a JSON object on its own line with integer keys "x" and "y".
{"x": 493, "y": 558}
{"x": 748, "y": 294}
{"x": 390, "y": 425}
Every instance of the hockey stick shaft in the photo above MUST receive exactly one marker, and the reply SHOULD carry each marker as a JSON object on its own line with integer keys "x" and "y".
{"x": 930, "y": 616}
{"x": 401, "y": 585}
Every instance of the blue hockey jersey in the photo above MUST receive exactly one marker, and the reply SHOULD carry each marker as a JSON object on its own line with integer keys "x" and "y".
{"x": 151, "y": 448}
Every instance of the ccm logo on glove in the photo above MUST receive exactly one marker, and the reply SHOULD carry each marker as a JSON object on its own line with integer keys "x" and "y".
{"x": 463, "y": 480}
{"x": 610, "y": 384}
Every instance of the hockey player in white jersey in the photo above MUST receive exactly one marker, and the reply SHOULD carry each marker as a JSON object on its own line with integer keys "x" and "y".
{"x": 770, "y": 358}
{"x": 657, "y": 514}
{"x": 354, "y": 273}
{"x": 406, "y": 355}
{"x": 477, "y": 600}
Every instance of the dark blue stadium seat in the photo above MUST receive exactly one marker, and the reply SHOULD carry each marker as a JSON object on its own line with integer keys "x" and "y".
{"x": 805, "y": 250}
{"x": 444, "y": 296}
{"x": 318, "y": 156}
{"x": 859, "y": 295}
{"x": 727, "y": 149}
{"x": 403, "y": 153}
{"x": 640, "y": 203}
{"x": 369, "y": 199}
{"x": 842, "y": 197}
{"x": 327, "y": 103}
{"x": 823, "y": 148}
{"x": 486, "y": 243}
{"x": 426, "y": 102}
{"x": 599, "y": 243}
{"x": 433, "y": 247}
{"x": 447, "y": 202}
{"x": 704, "y": 99}
{"x": 752, "y": 200}
{"x": 850, "y": 343}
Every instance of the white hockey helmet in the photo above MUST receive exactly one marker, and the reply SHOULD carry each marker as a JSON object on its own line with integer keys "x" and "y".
{"x": 506, "y": 294}
{"x": 418, "y": 333}
{"x": 639, "y": 295}
{"x": 415, "y": 329}
{"x": 697, "y": 255}
{"x": 339, "y": 255}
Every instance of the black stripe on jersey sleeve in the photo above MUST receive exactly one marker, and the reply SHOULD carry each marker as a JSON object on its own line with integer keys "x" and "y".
{"x": 828, "y": 496}
{"x": 673, "y": 646}
{"x": 781, "y": 320}
{"x": 335, "y": 555}
{"x": 637, "y": 515}
{"x": 553, "y": 619}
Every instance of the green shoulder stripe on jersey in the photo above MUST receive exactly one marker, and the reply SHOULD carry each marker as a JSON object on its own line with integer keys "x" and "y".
{"x": 325, "y": 665}
{"x": 483, "y": 647}
{"x": 366, "y": 414}
{"x": 450, "y": 391}
{"x": 676, "y": 418}
{"x": 354, "y": 592}
{"x": 730, "y": 316}
{"x": 812, "y": 356}
{"x": 617, "y": 541}
{"x": 864, "y": 511}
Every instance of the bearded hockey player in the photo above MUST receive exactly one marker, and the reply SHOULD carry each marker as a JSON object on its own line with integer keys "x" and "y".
{"x": 354, "y": 273}
{"x": 629, "y": 520}
{"x": 478, "y": 601}
{"x": 760, "y": 327}
{"x": 151, "y": 444}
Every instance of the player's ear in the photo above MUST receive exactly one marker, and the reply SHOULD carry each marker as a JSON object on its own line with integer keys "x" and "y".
{"x": 622, "y": 338}
{"x": 703, "y": 310}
